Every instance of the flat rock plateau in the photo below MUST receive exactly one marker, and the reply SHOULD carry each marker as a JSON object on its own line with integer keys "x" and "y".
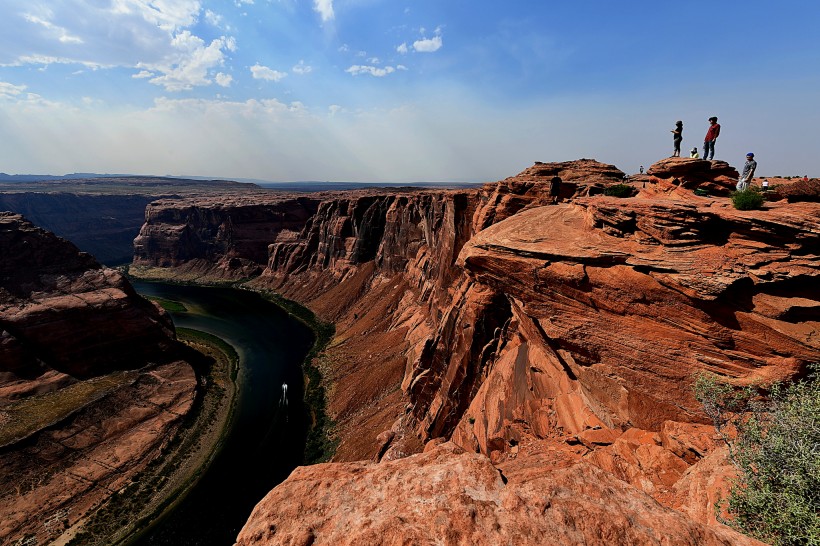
{"x": 508, "y": 371}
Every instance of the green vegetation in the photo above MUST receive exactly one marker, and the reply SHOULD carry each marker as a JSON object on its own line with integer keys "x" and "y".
{"x": 619, "y": 190}
{"x": 169, "y": 305}
{"x": 29, "y": 415}
{"x": 748, "y": 199}
{"x": 167, "y": 478}
{"x": 774, "y": 442}
{"x": 321, "y": 443}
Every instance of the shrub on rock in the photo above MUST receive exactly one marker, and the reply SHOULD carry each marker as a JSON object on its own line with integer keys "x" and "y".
{"x": 619, "y": 190}
{"x": 748, "y": 199}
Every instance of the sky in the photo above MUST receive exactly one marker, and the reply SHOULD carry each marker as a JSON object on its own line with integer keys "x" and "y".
{"x": 401, "y": 90}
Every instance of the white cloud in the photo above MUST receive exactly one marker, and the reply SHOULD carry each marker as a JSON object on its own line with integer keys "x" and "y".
{"x": 428, "y": 45}
{"x": 324, "y": 8}
{"x": 191, "y": 63}
{"x": 260, "y": 72}
{"x": 402, "y": 48}
{"x": 213, "y": 19}
{"x": 10, "y": 91}
{"x": 301, "y": 68}
{"x": 357, "y": 69}
{"x": 102, "y": 34}
{"x": 223, "y": 80}
{"x": 61, "y": 34}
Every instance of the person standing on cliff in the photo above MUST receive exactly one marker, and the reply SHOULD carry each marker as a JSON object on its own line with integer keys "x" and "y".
{"x": 711, "y": 136}
{"x": 555, "y": 189}
{"x": 748, "y": 172}
{"x": 677, "y": 138}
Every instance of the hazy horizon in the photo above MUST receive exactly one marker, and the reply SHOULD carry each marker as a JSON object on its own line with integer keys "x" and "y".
{"x": 371, "y": 90}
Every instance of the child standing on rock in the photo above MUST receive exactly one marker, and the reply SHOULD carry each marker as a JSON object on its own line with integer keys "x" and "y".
{"x": 677, "y": 138}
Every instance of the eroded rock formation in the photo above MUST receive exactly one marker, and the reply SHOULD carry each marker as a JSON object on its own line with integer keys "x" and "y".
{"x": 448, "y": 496}
{"x": 92, "y": 383}
{"x": 550, "y": 336}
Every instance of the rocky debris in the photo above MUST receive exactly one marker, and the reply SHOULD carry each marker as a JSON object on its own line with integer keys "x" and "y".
{"x": 67, "y": 323}
{"x": 449, "y": 496}
{"x": 794, "y": 190}
{"x": 716, "y": 177}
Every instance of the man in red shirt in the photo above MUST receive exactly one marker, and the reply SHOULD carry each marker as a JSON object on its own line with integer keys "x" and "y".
{"x": 711, "y": 137}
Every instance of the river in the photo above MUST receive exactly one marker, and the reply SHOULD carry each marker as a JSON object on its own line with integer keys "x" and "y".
{"x": 267, "y": 438}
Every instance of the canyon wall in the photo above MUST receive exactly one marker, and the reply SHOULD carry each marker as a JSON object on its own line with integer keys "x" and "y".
{"x": 228, "y": 234}
{"x": 550, "y": 337}
{"x": 102, "y": 225}
{"x": 93, "y": 384}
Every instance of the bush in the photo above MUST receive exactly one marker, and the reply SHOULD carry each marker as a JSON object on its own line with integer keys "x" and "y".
{"x": 776, "y": 449}
{"x": 748, "y": 199}
{"x": 619, "y": 190}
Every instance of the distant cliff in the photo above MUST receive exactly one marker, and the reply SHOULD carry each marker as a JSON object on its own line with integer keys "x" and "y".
{"x": 544, "y": 335}
{"x": 93, "y": 384}
{"x": 102, "y": 225}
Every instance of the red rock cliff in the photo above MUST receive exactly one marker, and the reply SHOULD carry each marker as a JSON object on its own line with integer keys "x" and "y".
{"x": 543, "y": 335}
{"x": 73, "y": 433}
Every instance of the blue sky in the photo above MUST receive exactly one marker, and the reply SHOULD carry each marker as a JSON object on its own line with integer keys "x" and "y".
{"x": 392, "y": 90}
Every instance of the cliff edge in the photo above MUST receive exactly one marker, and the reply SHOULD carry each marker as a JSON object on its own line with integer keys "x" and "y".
{"x": 547, "y": 338}
{"x": 93, "y": 384}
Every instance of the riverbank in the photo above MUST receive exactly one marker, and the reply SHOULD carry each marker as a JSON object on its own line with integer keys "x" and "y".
{"x": 321, "y": 440}
{"x": 166, "y": 481}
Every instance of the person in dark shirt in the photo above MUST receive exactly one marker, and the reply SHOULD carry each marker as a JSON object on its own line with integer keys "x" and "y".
{"x": 748, "y": 172}
{"x": 711, "y": 136}
{"x": 677, "y": 137}
{"x": 555, "y": 189}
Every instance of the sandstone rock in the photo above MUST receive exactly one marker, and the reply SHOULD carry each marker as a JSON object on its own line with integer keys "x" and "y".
{"x": 717, "y": 177}
{"x": 520, "y": 331}
{"x": 66, "y": 324}
{"x": 452, "y": 497}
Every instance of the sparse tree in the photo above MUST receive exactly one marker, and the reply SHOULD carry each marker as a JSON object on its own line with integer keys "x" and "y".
{"x": 774, "y": 441}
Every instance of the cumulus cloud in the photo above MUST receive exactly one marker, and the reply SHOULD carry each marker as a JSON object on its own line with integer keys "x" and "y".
{"x": 301, "y": 68}
{"x": 402, "y": 48}
{"x": 260, "y": 72}
{"x": 190, "y": 64}
{"x": 213, "y": 18}
{"x": 223, "y": 80}
{"x": 149, "y": 35}
{"x": 376, "y": 71}
{"x": 324, "y": 8}
{"x": 428, "y": 45}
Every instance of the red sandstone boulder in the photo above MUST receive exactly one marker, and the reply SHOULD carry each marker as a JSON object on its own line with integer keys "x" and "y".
{"x": 447, "y": 496}
{"x": 716, "y": 177}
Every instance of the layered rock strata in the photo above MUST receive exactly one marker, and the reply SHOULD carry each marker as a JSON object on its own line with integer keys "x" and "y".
{"x": 548, "y": 336}
{"x": 448, "y": 496}
{"x": 226, "y": 236}
{"x": 92, "y": 383}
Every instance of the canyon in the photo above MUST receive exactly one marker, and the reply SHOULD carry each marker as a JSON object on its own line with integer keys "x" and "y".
{"x": 549, "y": 339}
{"x": 505, "y": 370}
{"x": 93, "y": 384}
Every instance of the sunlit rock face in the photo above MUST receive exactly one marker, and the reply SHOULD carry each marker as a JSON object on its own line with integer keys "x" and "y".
{"x": 225, "y": 236}
{"x": 542, "y": 335}
{"x": 448, "y": 496}
{"x": 74, "y": 432}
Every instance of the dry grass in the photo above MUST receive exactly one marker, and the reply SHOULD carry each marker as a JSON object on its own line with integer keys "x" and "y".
{"x": 22, "y": 418}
